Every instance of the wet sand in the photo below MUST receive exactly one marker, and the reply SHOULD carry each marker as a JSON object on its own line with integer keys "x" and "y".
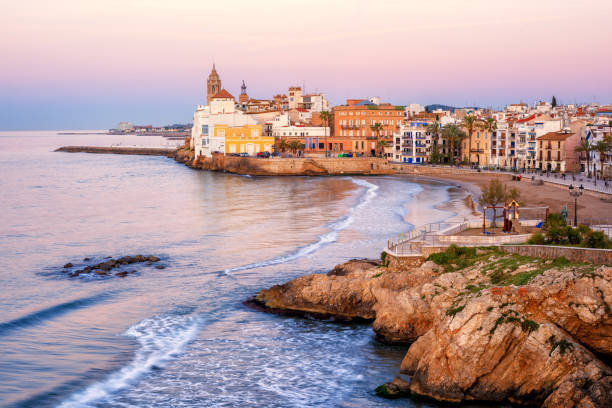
{"x": 451, "y": 201}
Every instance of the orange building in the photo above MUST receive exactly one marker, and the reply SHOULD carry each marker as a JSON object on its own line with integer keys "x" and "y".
{"x": 353, "y": 122}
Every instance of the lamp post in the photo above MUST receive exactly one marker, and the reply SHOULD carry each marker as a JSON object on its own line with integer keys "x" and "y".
{"x": 575, "y": 193}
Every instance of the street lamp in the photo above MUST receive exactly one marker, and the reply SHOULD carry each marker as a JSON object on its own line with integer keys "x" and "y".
{"x": 575, "y": 193}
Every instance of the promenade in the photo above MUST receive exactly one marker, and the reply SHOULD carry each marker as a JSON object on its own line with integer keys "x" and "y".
{"x": 599, "y": 186}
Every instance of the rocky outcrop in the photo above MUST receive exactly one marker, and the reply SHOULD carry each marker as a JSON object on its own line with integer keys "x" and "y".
{"x": 483, "y": 325}
{"x": 344, "y": 294}
{"x": 299, "y": 166}
{"x": 503, "y": 345}
{"x": 104, "y": 268}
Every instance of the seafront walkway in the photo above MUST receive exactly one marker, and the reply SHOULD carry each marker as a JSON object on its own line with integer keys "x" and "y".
{"x": 599, "y": 186}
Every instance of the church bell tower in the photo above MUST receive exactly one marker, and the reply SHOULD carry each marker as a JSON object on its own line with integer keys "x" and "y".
{"x": 213, "y": 84}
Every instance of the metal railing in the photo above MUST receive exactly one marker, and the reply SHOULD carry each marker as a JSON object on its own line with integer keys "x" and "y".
{"x": 606, "y": 229}
{"x": 411, "y": 242}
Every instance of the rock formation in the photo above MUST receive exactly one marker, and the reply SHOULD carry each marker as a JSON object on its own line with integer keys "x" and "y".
{"x": 104, "y": 268}
{"x": 483, "y": 325}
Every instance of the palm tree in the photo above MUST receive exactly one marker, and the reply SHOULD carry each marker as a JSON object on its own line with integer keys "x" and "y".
{"x": 454, "y": 135}
{"x": 469, "y": 123}
{"x": 434, "y": 129}
{"x": 381, "y": 144}
{"x": 294, "y": 146}
{"x": 585, "y": 146}
{"x": 489, "y": 126}
{"x": 326, "y": 118}
{"x": 377, "y": 128}
{"x": 602, "y": 147}
{"x": 283, "y": 145}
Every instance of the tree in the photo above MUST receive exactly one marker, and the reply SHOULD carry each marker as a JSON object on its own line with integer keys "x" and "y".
{"x": 326, "y": 118}
{"x": 496, "y": 193}
{"x": 294, "y": 146}
{"x": 454, "y": 135}
{"x": 381, "y": 144}
{"x": 283, "y": 145}
{"x": 585, "y": 146}
{"x": 469, "y": 123}
{"x": 554, "y": 102}
{"x": 603, "y": 147}
{"x": 434, "y": 129}
{"x": 489, "y": 126}
{"x": 377, "y": 128}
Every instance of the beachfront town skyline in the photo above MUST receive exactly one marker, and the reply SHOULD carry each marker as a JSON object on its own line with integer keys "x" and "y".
{"x": 544, "y": 135}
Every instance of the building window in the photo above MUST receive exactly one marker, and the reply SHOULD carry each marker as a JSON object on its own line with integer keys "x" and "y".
{"x": 204, "y": 129}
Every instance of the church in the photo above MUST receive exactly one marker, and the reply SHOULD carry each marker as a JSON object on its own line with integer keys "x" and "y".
{"x": 222, "y": 127}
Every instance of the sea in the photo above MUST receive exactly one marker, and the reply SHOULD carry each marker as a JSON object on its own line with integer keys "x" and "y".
{"x": 180, "y": 336}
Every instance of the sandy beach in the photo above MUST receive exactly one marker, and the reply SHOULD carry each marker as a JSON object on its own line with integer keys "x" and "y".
{"x": 593, "y": 208}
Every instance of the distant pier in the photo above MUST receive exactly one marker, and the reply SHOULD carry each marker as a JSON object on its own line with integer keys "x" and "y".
{"x": 143, "y": 151}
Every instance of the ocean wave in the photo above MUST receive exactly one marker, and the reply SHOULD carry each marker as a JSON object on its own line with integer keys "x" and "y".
{"x": 325, "y": 239}
{"x": 161, "y": 339}
{"x": 41, "y": 316}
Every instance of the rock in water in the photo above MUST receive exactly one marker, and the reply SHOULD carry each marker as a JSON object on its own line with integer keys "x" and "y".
{"x": 398, "y": 388}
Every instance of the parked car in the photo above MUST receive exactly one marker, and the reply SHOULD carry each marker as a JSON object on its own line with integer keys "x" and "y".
{"x": 234, "y": 154}
{"x": 244, "y": 155}
{"x": 275, "y": 154}
{"x": 263, "y": 155}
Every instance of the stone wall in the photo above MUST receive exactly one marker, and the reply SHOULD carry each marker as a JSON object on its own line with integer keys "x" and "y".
{"x": 483, "y": 240}
{"x": 400, "y": 263}
{"x": 428, "y": 250}
{"x": 430, "y": 170}
{"x": 294, "y": 166}
{"x": 596, "y": 256}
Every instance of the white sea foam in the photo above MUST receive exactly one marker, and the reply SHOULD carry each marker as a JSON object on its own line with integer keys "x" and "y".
{"x": 327, "y": 238}
{"x": 161, "y": 338}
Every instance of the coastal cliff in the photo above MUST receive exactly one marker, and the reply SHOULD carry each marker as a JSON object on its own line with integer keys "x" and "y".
{"x": 481, "y": 324}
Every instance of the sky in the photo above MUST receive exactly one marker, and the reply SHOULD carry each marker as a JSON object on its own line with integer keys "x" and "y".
{"x": 74, "y": 64}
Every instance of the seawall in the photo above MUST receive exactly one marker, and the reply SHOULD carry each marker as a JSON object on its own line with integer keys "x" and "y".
{"x": 287, "y": 166}
{"x": 145, "y": 151}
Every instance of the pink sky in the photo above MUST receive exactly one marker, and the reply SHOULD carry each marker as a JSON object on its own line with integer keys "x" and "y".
{"x": 135, "y": 52}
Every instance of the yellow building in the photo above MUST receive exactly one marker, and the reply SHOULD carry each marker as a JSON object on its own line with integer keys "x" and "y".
{"x": 244, "y": 139}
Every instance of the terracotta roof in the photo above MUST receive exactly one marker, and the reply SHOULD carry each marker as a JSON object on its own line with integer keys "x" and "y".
{"x": 222, "y": 94}
{"x": 555, "y": 136}
{"x": 527, "y": 119}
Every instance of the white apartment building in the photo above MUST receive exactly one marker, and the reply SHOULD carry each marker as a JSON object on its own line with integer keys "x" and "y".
{"x": 513, "y": 144}
{"x": 413, "y": 143}
{"x": 315, "y": 103}
{"x": 414, "y": 108}
{"x": 283, "y": 129}
{"x": 221, "y": 111}
{"x": 600, "y": 164}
